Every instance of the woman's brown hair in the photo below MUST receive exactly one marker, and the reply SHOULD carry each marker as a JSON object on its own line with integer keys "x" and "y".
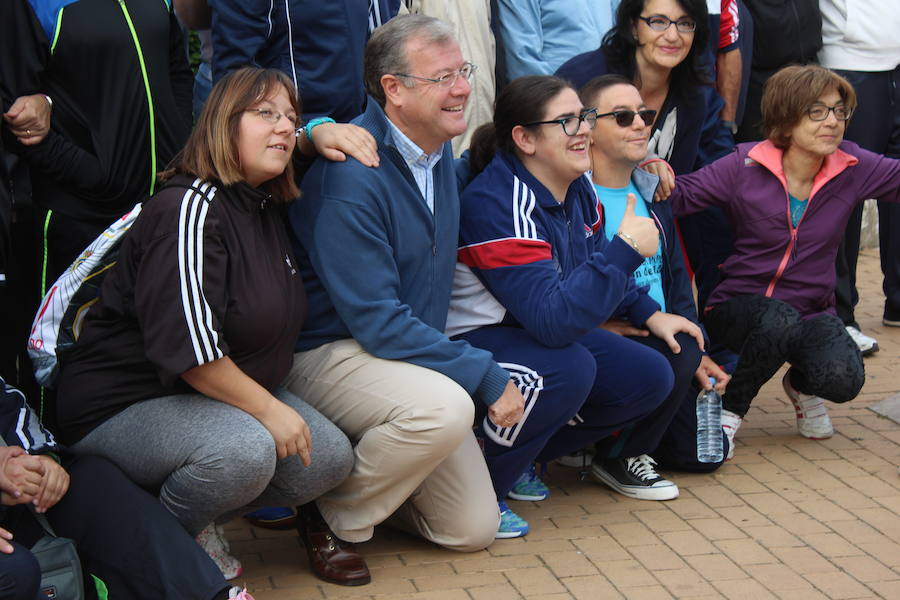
{"x": 211, "y": 152}
{"x": 790, "y": 92}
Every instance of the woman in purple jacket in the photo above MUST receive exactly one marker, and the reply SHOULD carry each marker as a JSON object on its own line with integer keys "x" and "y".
{"x": 788, "y": 200}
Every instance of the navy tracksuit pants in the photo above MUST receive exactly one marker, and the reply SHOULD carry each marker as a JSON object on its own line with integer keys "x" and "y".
{"x": 585, "y": 392}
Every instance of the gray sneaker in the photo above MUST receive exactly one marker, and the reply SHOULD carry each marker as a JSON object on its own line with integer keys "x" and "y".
{"x": 867, "y": 345}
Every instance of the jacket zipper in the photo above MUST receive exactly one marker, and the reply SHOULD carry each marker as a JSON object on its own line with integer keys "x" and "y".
{"x": 789, "y": 251}
{"x": 140, "y": 55}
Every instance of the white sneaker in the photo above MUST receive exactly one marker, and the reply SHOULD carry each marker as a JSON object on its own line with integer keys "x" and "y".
{"x": 212, "y": 540}
{"x": 867, "y": 345}
{"x": 730, "y": 424}
{"x": 812, "y": 415}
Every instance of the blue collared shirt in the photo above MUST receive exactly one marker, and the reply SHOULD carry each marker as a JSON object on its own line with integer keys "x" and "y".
{"x": 420, "y": 163}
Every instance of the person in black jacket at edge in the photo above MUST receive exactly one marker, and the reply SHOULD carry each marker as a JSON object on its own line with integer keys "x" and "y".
{"x": 93, "y": 121}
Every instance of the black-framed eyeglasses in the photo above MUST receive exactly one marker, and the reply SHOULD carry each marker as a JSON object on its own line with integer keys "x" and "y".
{"x": 448, "y": 80}
{"x": 571, "y": 125}
{"x": 624, "y": 118}
{"x": 272, "y": 116}
{"x": 661, "y": 23}
{"x": 819, "y": 112}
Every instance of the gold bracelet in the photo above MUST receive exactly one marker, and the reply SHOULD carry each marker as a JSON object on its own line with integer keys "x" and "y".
{"x": 630, "y": 240}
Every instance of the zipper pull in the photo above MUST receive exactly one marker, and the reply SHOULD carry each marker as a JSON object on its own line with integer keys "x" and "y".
{"x": 794, "y": 244}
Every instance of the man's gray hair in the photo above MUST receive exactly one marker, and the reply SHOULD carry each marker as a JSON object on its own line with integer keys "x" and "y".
{"x": 386, "y": 50}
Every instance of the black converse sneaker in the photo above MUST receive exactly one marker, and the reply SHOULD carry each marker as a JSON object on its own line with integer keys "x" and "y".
{"x": 634, "y": 477}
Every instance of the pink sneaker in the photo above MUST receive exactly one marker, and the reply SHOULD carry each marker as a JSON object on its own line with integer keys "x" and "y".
{"x": 812, "y": 415}
{"x": 212, "y": 540}
{"x": 239, "y": 594}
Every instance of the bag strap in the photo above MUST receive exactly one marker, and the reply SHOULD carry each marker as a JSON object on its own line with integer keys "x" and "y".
{"x": 45, "y": 524}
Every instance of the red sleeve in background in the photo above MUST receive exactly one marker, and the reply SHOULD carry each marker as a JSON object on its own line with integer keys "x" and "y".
{"x": 728, "y": 24}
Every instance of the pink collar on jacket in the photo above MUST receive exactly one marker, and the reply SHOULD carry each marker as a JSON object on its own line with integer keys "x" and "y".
{"x": 769, "y": 155}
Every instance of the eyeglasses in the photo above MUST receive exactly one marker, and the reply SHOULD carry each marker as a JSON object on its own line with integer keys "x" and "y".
{"x": 271, "y": 116}
{"x": 661, "y": 23}
{"x": 624, "y": 118}
{"x": 448, "y": 80}
{"x": 571, "y": 125}
{"x": 819, "y": 112}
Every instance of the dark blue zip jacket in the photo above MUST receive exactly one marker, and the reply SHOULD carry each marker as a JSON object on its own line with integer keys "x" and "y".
{"x": 378, "y": 265}
{"x": 547, "y": 264}
{"x": 318, "y": 43}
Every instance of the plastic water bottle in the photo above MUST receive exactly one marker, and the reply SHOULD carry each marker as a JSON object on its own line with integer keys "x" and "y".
{"x": 709, "y": 425}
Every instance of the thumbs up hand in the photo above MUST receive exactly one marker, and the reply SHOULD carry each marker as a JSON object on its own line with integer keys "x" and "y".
{"x": 639, "y": 232}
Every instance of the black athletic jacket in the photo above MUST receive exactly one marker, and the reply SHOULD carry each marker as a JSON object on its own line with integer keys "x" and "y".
{"x": 121, "y": 88}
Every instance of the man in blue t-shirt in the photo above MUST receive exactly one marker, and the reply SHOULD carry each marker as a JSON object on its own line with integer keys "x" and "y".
{"x": 618, "y": 148}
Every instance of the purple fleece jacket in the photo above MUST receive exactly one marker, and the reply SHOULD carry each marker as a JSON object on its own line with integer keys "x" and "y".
{"x": 772, "y": 258}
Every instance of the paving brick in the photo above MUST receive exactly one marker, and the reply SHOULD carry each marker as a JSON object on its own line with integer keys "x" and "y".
{"x": 538, "y": 580}
{"x": 691, "y": 508}
{"x": 627, "y": 574}
{"x": 831, "y": 545}
{"x": 657, "y": 557}
{"x": 632, "y": 534}
{"x": 568, "y": 564}
{"x": 746, "y": 552}
{"x": 886, "y": 589}
{"x": 769, "y": 503}
{"x": 744, "y": 516}
{"x": 717, "y": 529}
{"x": 866, "y": 569}
{"x": 685, "y": 583}
{"x": 839, "y": 585}
{"x": 494, "y": 563}
{"x": 602, "y": 547}
{"x": 717, "y": 496}
{"x": 529, "y": 546}
{"x": 716, "y": 567}
{"x": 739, "y": 483}
{"x": 650, "y": 592}
{"x": 772, "y": 536}
{"x": 887, "y": 552}
{"x": 743, "y": 589}
{"x": 687, "y": 543}
{"x": 804, "y": 560}
{"x": 589, "y": 588}
{"x": 778, "y": 578}
{"x": 800, "y": 524}
{"x": 662, "y": 520}
{"x": 457, "y": 580}
{"x": 495, "y": 592}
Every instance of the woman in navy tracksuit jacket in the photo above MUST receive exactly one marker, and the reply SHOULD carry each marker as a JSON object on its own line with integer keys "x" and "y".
{"x": 535, "y": 279}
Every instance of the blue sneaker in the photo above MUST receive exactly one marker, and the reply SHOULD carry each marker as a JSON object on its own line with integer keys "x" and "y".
{"x": 511, "y": 524}
{"x": 273, "y": 517}
{"x": 529, "y": 488}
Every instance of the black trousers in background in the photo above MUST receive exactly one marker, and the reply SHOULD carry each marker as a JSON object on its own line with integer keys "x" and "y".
{"x": 766, "y": 333}
{"x": 875, "y": 126}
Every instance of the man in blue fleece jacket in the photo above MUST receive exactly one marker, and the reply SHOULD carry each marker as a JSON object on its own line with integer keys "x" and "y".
{"x": 377, "y": 253}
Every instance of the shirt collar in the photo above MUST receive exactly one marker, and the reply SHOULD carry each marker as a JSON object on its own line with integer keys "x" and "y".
{"x": 411, "y": 153}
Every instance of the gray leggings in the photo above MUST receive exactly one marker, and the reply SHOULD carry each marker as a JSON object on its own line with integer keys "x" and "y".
{"x": 210, "y": 461}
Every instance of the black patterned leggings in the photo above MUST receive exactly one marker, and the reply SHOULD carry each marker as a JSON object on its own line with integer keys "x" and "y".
{"x": 766, "y": 333}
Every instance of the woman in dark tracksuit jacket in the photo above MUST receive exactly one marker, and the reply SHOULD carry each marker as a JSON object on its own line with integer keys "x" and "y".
{"x": 535, "y": 280}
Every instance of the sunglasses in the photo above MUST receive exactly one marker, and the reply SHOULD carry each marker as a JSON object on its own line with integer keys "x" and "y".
{"x": 624, "y": 118}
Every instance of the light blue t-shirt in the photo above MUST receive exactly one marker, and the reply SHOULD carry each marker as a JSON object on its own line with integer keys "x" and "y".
{"x": 650, "y": 271}
{"x": 798, "y": 207}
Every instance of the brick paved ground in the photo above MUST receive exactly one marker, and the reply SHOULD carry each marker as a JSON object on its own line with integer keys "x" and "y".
{"x": 786, "y": 518}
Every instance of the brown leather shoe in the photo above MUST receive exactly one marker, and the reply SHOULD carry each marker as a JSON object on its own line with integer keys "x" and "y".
{"x": 330, "y": 557}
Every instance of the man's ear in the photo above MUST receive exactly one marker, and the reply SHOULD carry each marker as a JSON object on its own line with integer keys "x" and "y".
{"x": 524, "y": 139}
{"x": 391, "y": 85}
